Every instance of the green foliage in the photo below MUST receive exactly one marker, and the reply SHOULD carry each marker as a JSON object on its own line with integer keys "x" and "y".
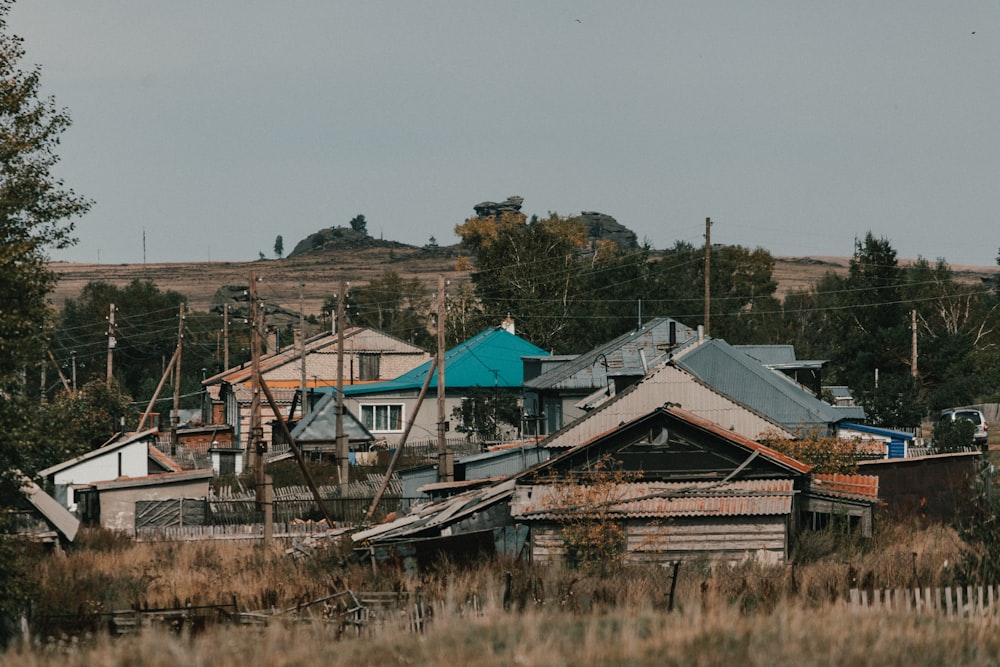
{"x": 953, "y": 436}
{"x": 979, "y": 527}
{"x": 743, "y": 308}
{"x": 487, "y": 413}
{"x": 145, "y": 333}
{"x": 35, "y": 206}
{"x": 392, "y": 304}
{"x": 279, "y": 246}
{"x": 359, "y": 224}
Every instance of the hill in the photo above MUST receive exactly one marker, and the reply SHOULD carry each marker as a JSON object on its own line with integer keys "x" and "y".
{"x": 319, "y": 273}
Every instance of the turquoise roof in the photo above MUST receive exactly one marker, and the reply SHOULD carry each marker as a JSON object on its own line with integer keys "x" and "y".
{"x": 491, "y": 358}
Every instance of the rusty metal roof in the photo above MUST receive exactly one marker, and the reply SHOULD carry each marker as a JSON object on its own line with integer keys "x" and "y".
{"x": 542, "y": 502}
{"x": 859, "y": 487}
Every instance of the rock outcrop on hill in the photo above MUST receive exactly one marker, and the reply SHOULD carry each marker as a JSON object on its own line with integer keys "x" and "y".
{"x": 601, "y": 226}
{"x": 340, "y": 238}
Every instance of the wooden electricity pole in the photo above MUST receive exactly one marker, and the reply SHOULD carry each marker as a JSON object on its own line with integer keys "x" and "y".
{"x": 446, "y": 471}
{"x": 255, "y": 441}
{"x": 225, "y": 337}
{"x": 175, "y": 415}
{"x": 302, "y": 356}
{"x": 342, "y": 453}
{"x": 111, "y": 341}
{"x": 708, "y": 272}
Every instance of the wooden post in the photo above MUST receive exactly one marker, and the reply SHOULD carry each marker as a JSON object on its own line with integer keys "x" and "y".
{"x": 175, "y": 415}
{"x": 111, "y": 341}
{"x": 342, "y": 448}
{"x": 446, "y": 471}
{"x": 708, "y": 272}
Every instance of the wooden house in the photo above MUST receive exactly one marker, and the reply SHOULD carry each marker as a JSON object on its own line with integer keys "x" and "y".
{"x": 677, "y": 485}
{"x": 491, "y": 360}
{"x": 368, "y": 356}
{"x": 125, "y": 455}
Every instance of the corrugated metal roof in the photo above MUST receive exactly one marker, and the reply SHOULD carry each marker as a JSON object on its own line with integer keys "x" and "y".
{"x": 113, "y": 444}
{"x": 547, "y": 502}
{"x": 666, "y": 384}
{"x": 747, "y": 381}
{"x": 627, "y": 354}
{"x": 491, "y": 358}
{"x": 320, "y": 424}
{"x": 859, "y": 487}
{"x": 357, "y": 339}
{"x": 437, "y": 515}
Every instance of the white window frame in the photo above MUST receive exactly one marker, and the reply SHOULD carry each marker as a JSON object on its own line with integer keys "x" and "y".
{"x": 370, "y": 416}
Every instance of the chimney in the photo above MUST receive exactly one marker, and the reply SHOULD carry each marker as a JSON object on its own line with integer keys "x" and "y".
{"x": 508, "y": 324}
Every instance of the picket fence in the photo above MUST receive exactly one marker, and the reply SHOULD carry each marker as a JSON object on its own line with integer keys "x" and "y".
{"x": 954, "y": 602}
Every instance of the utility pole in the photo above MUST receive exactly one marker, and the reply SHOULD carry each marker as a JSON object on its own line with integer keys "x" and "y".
{"x": 73, "y": 356}
{"x": 111, "y": 341}
{"x": 913, "y": 334}
{"x": 446, "y": 472}
{"x": 302, "y": 355}
{"x": 255, "y": 442}
{"x": 175, "y": 416}
{"x": 225, "y": 337}
{"x": 342, "y": 453}
{"x": 708, "y": 272}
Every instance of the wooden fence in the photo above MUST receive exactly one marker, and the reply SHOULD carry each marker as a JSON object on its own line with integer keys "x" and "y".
{"x": 953, "y": 602}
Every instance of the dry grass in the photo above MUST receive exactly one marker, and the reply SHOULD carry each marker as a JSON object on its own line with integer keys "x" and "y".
{"x": 742, "y": 614}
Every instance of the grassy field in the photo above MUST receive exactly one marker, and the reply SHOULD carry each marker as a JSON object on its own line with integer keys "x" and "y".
{"x": 747, "y": 614}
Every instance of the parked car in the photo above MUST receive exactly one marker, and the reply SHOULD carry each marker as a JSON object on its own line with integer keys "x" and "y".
{"x": 973, "y": 415}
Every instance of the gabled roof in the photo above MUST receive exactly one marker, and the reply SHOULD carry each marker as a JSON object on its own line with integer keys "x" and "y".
{"x": 320, "y": 424}
{"x": 115, "y": 443}
{"x": 629, "y": 354}
{"x": 678, "y": 417}
{"x": 666, "y": 384}
{"x": 356, "y": 338}
{"x": 747, "y": 381}
{"x": 491, "y": 358}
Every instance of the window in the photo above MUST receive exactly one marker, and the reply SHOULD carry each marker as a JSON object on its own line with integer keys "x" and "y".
{"x": 368, "y": 366}
{"x": 386, "y": 417}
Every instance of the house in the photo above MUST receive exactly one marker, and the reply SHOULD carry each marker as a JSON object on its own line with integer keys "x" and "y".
{"x": 116, "y": 504}
{"x": 679, "y": 486}
{"x": 559, "y": 390}
{"x": 875, "y": 442}
{"x": 667, "y": 385}
{"x": 316, "y": 434}
{"x": 492, "y": 360}
{"x": 125, "y": 455}
{"x": 768, "y": 392}
{"x": 369, "y": 356}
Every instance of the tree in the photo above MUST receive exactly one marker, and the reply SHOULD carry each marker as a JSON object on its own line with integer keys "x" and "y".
{"x": 529, "y": 270}
{"x": 146, "y": 332}
{"x": 36, "y": 210}
{"x": 390, "y": 303}
{"x": 741, "y": 289}
{"x": 279, "y": 246}
{"x": 35, "y": 206}
{"x": 359, "y": 224}
{"x": 488, "y": 412}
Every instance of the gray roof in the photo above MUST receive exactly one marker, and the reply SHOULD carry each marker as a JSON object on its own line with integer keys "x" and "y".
{"x": 55, "y": 514}
{"x": 629, "y": 354}
{"x": 110, "y": 446}
{"x": 320, "y": 424}
{"x": 747, "y": 381}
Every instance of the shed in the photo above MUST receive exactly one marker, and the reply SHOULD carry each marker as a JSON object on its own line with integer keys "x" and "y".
{"x": 112, "y": 503}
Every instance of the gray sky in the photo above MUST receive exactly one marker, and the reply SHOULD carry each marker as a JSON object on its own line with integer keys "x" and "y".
{"x": 796, "y": 126}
